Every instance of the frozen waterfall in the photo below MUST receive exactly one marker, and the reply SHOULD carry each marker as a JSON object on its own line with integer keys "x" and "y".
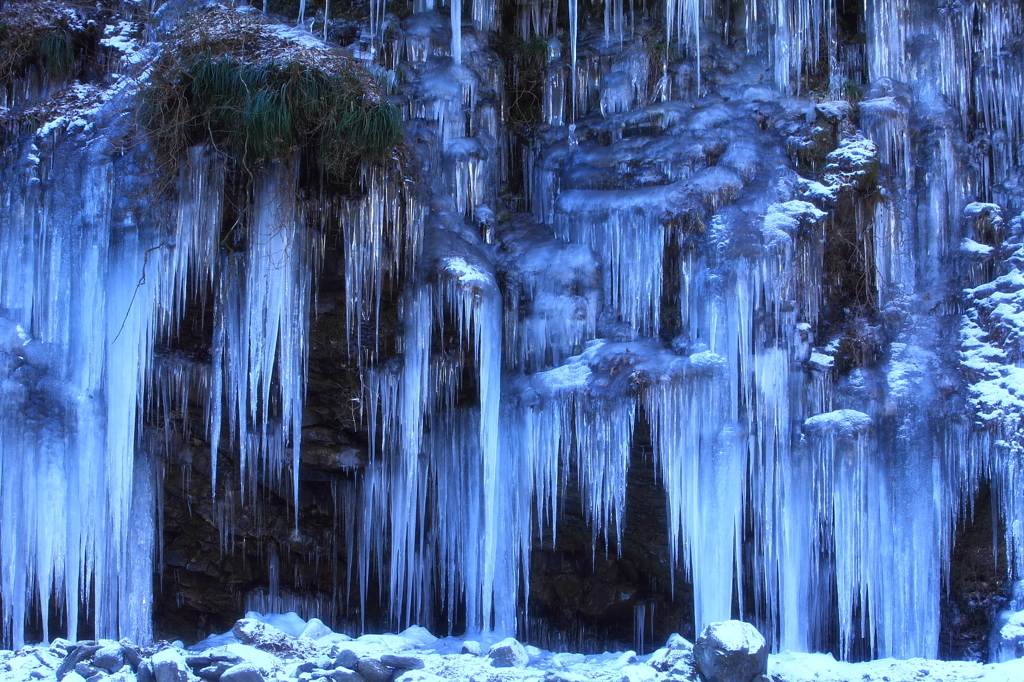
{"x": 776, "y": 236}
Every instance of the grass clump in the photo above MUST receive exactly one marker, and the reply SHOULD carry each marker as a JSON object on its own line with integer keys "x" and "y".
{"x": 38, "y": 35}
{"x": 525, "y": 63}
{"x": 244, "y": 90}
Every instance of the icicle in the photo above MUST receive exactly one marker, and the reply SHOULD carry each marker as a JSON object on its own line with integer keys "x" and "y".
{"x": 456, "y": 10}
{"x": 702, "y": 462}
{"x": 573, "y": 41}
{"x": 262, "y": 321}
{"x": 78, "y": 296}
{"x": 621, "y": 227}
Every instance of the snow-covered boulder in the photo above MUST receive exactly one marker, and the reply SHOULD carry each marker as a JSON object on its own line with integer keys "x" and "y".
{"x": 677, "y": 642}
{"x": 730, "y": 651}
{"x": 76, "y": 655}
{"x": 169, "y": 666}
{"x": 262, "y": 635}
{"x": 418, "y": 635}
{"x": 110, "y": 658}
{"x": 508, "y": 653}
{"x": 638, "y": 673}
{"x": 315, "y": 629}
{"x": 243, "y": 672}
{"x": 1007, "y": 641}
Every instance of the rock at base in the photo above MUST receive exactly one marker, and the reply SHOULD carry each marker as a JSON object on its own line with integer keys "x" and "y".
{"x": 402, "y": 662}
{"x": 243, "y": 672}
{"x": 347, "y": 658}
{"x": 508, "y": 653}
{"x": 169, "y": 666}
{"x": 373, "y": 670}
{"x": 731, "y": 651}
{"x": 315, "y": 629}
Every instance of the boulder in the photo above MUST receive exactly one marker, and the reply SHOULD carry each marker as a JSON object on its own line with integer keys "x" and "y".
{"x": 315, "y": 629}
{"x": 347, "y": 658}
{"x": 345, "y": 675}
{"x": 665, "y": 659}
{"x": 638, "y": 673}
{"x": 417, "y": 676}
{"x": 677, "y": 641}
{"x": 418, "y": 635}
{"x": 730, "y": 651}
{"x": 625, "y": 658}
{"x": 373, "y": 670}
{"x": 242, "y": 672}
{"x": 508, "y": 653}
{"x": 131, "y": 657}
{"x": 402, "y": 662}
{"x": 472, "y": 648}
{"x": 85, "y": 670}
{"x": 261, "y": 635}
{"x": 76, "y": 655}
{"x": 1007, "y": 640}
{"x": 169, "y": 666}
{"x": 109, "y": 658}
{"x": 145, "y": 672}
{"x": 215, "y": 670}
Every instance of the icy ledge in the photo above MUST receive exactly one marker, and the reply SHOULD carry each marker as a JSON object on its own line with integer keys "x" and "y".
{"x": 284, "y": 647}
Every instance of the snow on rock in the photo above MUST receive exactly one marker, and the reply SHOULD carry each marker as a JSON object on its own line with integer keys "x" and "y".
{"x": 315, "y": 629}
{"x": 731, "y": 651}
{"x": 508, "y": 653}
{"x": 638, "y": 673}
{"x": 289, "y": 623}
{"x": 418, "y": 635}
{"x": 792, "y": 667}
{"x": 243, "y": 672}
{"x": 1008, "y": 640}
{"x": 260, "y": 634}
{"x": 169, "y": 666}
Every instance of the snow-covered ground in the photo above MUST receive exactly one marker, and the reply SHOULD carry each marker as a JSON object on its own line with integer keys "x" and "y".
{"x": 285, "y": 647}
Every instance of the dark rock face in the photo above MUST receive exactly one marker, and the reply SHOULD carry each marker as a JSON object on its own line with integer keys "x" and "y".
{"x": 207, "y": 588}
{"x": 977, "y": 586}
{"x": 731, "y": 651}
{"x": 590, "y": 601}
